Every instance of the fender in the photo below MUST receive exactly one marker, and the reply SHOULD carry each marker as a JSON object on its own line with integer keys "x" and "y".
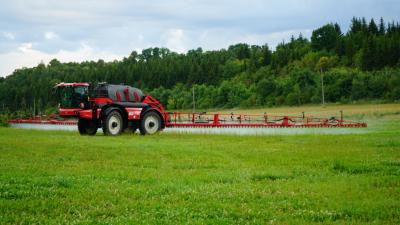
{"x": 86, "y": 114}
{"x": 108, "y": 108}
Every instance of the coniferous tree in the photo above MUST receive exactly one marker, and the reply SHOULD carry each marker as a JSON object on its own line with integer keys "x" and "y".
{"x": 364, "y": 26}
{"x": 382, "y": 28}
{"x": 355, "y": 26}
{"x": 368, "y": 56}
{"x": 372, "y": 28}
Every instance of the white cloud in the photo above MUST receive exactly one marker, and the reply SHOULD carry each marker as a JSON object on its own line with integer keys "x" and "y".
{"x": 50, "y": 35}
{"x": 175, "y": 40}
{"x": 9, "y": 35}
{"x": 27, "y": 56}
{"x": 25, "y": 47}
{"x": 140, "y": 37}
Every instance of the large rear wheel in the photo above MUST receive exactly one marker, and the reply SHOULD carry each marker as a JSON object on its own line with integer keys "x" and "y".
{"x": 113, "y": 123}
{"x": 150, "y": 123}
{"x": 87, "y": 127}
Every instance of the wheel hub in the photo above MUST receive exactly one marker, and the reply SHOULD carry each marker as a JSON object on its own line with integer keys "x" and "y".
{"x": 114, "y": 125}
{"x": 151, "y": 124}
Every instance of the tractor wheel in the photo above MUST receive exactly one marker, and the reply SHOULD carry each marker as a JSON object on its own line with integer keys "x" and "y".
{"x": 113, "y": 123}
{"x": 87, "y": 127}
{"x": 91, "y": 128}
{"x": 82, "y": 126}
{"x": 150, "y": 123}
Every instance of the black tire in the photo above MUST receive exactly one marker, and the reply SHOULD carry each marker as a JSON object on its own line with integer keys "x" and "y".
{"x": 87, "y": 127}
{"x": 82, "y": 126}
{"x": 150, "y": 123}
{"x": 113, "y": 123}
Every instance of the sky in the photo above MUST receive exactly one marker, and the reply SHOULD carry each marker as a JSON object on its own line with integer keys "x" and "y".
{"x": 34, "y": 31}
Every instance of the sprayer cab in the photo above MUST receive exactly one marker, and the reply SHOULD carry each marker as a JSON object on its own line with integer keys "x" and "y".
{"x": 71, "y": 97}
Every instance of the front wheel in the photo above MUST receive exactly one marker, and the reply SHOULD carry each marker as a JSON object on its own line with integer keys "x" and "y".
{"x": 113, "y": 123}
{"x": 87, "y": 127}
{"x": 150, "y": 123}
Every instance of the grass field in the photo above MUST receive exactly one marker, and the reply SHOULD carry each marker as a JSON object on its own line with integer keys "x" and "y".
{"x": 49, "y": 177}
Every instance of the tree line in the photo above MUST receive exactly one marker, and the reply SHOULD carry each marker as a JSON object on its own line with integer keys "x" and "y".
{"x": 361, "y": 64}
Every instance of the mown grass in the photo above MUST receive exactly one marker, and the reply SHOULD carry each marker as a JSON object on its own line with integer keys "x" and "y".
{"x": 49, "y": 177}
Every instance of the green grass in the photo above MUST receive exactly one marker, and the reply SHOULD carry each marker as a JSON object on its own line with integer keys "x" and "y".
{"x": 49, "y": 177}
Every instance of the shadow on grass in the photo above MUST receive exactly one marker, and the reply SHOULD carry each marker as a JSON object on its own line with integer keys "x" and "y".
{"x": 341, "y": 167}
{"x": 271, "y": 177}
{"x": 384, "y": 168}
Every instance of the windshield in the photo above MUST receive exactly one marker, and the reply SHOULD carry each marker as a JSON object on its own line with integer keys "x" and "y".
{"x": 71, "y": 97}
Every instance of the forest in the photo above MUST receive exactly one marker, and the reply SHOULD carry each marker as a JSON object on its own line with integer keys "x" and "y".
{"x": 362, "y": 64}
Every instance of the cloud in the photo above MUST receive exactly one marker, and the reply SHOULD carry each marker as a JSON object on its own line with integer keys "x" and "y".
{"x": 27, "y": 56}
{"x": 9, "y": 35}
{"x": 174, "y": 39}
{"x": 25, "y": 47}
{"x": 50, "y": 35}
